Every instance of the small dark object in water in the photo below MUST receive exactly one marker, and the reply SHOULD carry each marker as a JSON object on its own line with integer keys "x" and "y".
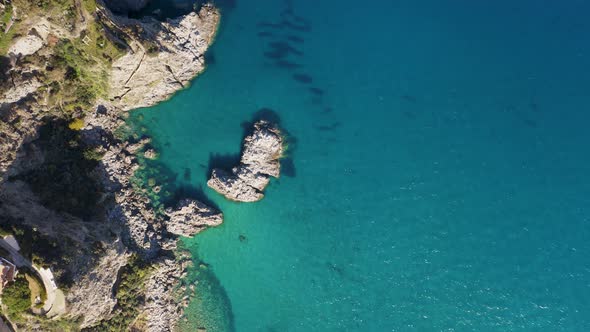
{"x": 316, "y": 100}
{"x": 287, "y": 64}
{"x": 210, "y": 57}
{"x": 187, "y": 174}
{"x": 409, "y": 115}
{"x": 409, "y": 98}
{"x": 242, "y": 238}
{"x": 328, "y": 127}
{"x": 265, "y": 34}
{"x": 303, "y": 78}
{"x": 328, "y": 110}
{"x": 316, "y": 91}
{"x": 203, "y": 165}
{"x": 304, "y": 28}
{"x": 270, "y": 25}
{"x": 530, "y": 123}
{"x": 276, "y": 55}
{"x": 288, "y": 11}
{"x": 288, "y": 167}
{"x": 335, "y": 268}
{"x": 284, "y": 47}
{"x": 295, "y": 39}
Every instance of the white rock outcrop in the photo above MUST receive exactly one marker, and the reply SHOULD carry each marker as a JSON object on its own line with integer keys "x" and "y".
{"x": 260, "y": 160}
{"x": 191, "y": 216}
{"x": 142, "y": 78}
{"x": 32, "y": 42}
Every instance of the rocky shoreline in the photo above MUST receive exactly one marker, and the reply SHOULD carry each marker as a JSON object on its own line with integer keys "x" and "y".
{"x": 141, "y": 77}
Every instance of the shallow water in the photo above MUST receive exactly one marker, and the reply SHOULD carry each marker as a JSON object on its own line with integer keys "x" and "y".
{"x": 438, "y": 174}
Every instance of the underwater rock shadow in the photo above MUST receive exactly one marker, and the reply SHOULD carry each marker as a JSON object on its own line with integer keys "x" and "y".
{"x": 210, "y": 57}
{"x": 330, "y": 127}
{"x": 282, "y": 46}
{"x": 265, "y": 34}
{"x": 295, "y": 39}
{"x": 288, "y": 65}
{"x": 280, "y": 50}
{"x": 223, "y": 161}
{"x": 303, "y": 78}
{"x": 212, "y": 290}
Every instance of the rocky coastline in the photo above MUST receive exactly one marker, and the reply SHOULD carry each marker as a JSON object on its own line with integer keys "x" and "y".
{"x": 158, "y": 59}
{"x": 259, "y": 161}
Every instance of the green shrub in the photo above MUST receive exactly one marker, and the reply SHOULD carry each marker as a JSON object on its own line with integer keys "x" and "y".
{"x": 130, "y": 296}
{"x": 16, "y": 296}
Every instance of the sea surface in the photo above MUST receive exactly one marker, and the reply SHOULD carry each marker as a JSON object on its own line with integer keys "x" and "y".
{"x": 438, "y": 169}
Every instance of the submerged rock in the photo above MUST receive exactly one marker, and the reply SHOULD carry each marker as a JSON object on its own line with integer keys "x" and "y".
{"x": 192, "y": 216}
{"x": 260, "y": 160}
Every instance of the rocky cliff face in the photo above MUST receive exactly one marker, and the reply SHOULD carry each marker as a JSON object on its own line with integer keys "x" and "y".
{"x": 143, "y": 77}
{"x": 260, "y": 160}
{"x": 158, "y": 59}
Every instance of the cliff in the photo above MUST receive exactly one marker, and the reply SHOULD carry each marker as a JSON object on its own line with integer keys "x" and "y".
{"x": 69, "y": 71}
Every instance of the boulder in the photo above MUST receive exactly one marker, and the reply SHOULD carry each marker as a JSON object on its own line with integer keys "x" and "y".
{"x": 190, "y": 217}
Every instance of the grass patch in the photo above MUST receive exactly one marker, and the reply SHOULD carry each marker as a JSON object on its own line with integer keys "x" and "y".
{"x": 6, "y": 38}
{"x": 38, "y": 293}
{"x": 77, "y": 74}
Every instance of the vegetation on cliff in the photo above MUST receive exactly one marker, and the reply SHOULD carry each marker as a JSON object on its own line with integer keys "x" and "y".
{"x": 130, "y": 298}
{"x": 16, "y": 297}
{"x": 76, "y": 65}
{"x": 65, "y": 181}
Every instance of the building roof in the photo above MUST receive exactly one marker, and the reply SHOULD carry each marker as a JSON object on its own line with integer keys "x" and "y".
{"x": 7, "y": 272}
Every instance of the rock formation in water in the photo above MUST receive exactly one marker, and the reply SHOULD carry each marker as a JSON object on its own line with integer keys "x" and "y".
{"x": 259, "y": 161}
{"x": 191, "y": 216}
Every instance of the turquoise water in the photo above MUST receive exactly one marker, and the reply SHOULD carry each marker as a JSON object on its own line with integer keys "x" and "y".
{"x": 439, "y": 176}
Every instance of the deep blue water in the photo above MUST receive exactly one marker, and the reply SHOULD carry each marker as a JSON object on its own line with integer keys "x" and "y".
{"x": 440, "y": 176}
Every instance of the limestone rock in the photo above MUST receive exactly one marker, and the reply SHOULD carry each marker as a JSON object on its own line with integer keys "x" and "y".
{"x": 192, "y": 216}
{"x": 233, "y": 187}
{"x": 141, "y": 79}
{"x": 33, "y": 42}
{"x": 260, "y": 160}
{"x": 150, "y": 154}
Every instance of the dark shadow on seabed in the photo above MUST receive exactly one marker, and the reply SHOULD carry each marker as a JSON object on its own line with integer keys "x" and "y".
{"x": 211, "y": 307}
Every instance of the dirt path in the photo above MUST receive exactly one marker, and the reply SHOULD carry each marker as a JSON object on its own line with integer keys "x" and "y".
{"x": 12, "y": 18}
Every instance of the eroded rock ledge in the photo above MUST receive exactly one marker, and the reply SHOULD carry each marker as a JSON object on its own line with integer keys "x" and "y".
{"x": 142, "y": 77}
{"x": 260, "y": 160}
